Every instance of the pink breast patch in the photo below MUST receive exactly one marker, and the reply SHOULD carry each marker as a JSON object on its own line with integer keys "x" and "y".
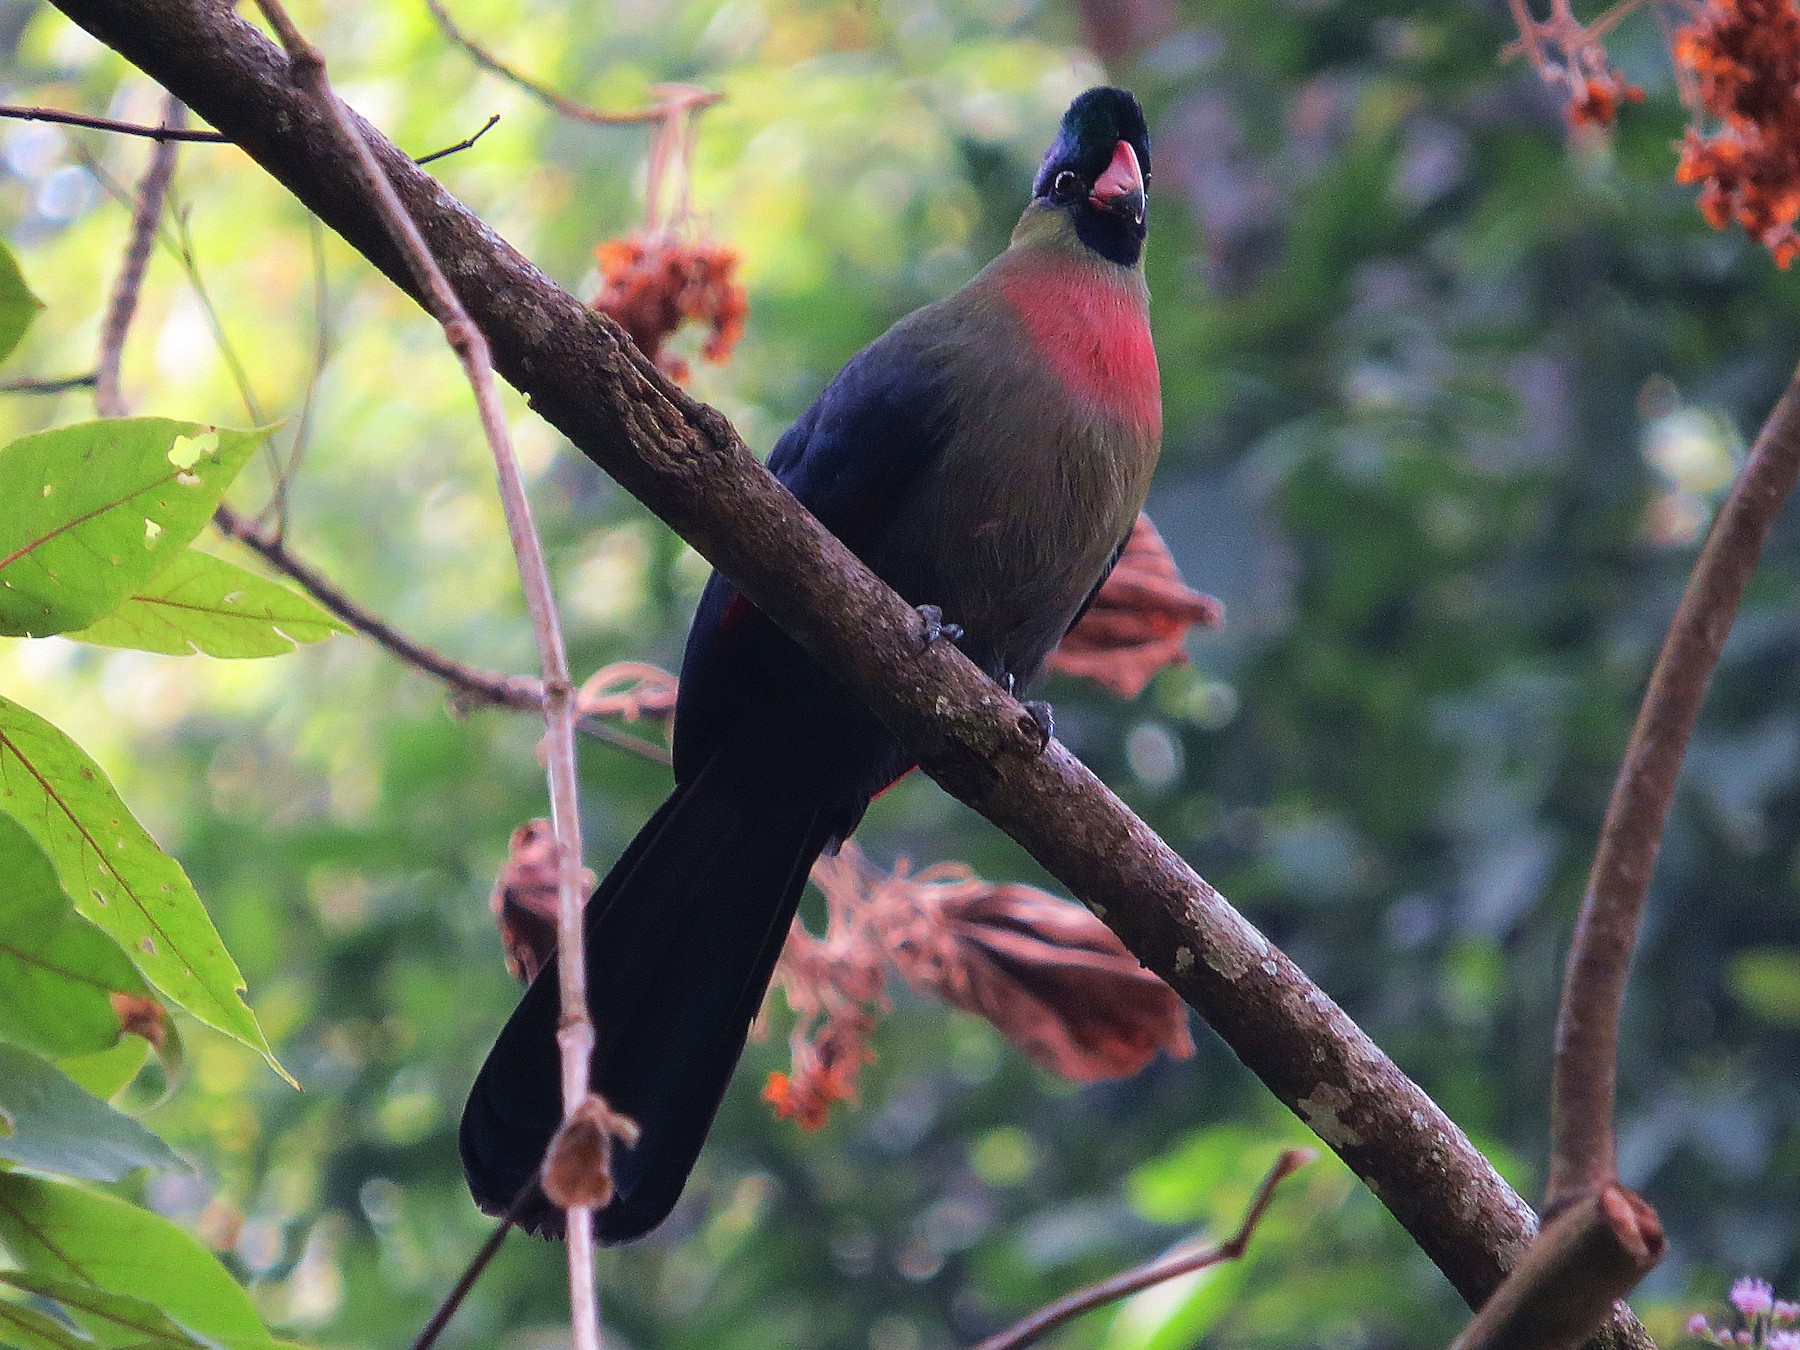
{"x": 1096, "y": 339}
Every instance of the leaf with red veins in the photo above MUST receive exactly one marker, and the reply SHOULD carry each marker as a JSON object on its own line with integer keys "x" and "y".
{"x": 1138, "y": 623}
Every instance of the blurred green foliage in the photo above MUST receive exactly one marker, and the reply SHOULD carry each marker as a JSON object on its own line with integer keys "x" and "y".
{"x": 1450, "y": 398}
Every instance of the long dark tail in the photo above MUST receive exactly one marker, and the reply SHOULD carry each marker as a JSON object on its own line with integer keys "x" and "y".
{"x": 681, "y": 939}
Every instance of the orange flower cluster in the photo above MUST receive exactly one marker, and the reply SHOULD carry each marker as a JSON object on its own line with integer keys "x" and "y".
{"x": 1564, "y": 51}
{"x": 653, "y": 286}
{"x": 1138, "y": 622}
{"x": 1595, "y": 101}
{"x": 1744, "y": 58}
{"x": 1050, "y": 977}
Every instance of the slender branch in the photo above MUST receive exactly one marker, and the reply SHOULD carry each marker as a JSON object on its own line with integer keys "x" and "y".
{"x": 575, "y": 1034}
{"x": 461, "y": 145}
{"x": 478, "y": 1264}
{"x": 568, "y": 107}
{"x": 170, "y": 132}
{"x": 684, "y": 460}
{"x": 470, "y": 682}
{"x": 164, "y": 134}
{"x": 1032, "y": 1329}
{"x": 1587, "y": 1257}
{"x": 1583, "y": 1081}
{"x": 31, "y": 385}
{"x": 146, "y": 214}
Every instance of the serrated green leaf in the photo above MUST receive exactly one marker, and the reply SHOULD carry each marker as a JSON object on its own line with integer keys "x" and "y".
{"x": 199, "y": 603}
{"x": 93, "y": 511}
{"x": 58, "y": 972}
{"x": 28, "y": 1329}
{"x": 18, "y": 306}
{"x": 110, "y": 1318}
{"x": 56, "y": 1127}
{"x": 65, "y": 1232}
{"x": 117, "y": 875}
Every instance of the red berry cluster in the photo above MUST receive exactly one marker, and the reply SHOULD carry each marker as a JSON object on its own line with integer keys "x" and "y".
{"x": 652, "y": 287}
{"x": 1744, "y": 57}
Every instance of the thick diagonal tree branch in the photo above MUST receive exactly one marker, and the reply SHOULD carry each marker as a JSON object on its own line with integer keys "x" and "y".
{"x": 686, "y": 463}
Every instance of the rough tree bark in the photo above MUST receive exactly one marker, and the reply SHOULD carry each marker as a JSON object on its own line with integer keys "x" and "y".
{"x": 684, "y": 461}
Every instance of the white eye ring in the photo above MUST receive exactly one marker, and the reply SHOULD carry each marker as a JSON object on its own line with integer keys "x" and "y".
{"x": 1066, "y": 185}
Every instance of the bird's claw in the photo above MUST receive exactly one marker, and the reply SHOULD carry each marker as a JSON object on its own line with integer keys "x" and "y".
{"x": 935, "y": 628}
{"x": 1037, "y": 712}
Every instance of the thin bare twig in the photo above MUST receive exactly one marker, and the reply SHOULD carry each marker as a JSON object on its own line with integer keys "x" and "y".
{"x": 568, "y": 107}
{"x": 472, "y": 1272}
{"x": 461, "y": 145}
{"x": 72, "y": 119}
{"x": 146, "y": 214}
{"x": 32, "y": 385}
{"x": 1583, "y": 1080}
{"x": 170, "y": 132}
{"x": 1032, "y": 1329}
{"x": 472, "y": 685}
{"x": 575, "y": 1034}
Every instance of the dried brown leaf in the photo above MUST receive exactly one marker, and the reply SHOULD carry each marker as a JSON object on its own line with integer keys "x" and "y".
{"x": 1138, "y": 622}
{"x": 578, "y": 1164}
{"x": 1058, "y": 983}
{"x": 523, "y": 900}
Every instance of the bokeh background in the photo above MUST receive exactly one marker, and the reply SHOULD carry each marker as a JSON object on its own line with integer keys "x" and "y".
{"x": 1451, "y": 396}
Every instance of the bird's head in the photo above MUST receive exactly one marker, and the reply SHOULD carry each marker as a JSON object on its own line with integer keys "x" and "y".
{"x": 1097, "y": 173}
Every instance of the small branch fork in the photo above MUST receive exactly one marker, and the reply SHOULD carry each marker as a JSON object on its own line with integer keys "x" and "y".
{"x": 1032, "y": 1329}
{"x": 567, "y": 107}
{"x": 1601, "y": 1238}
{"x": 575, "y": 1035}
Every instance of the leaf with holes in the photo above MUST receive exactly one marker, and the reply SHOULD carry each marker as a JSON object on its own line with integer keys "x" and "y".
{"x": 110, "y": 1318}
{"x": 58, "y": 972}
{"x": 95, "y": 510}
{"x": 18, "y": 306}
{"x": 117, "y": 875}
{"x": 59, "y": 1231}
{"x": 199, "y": 603}
{"x": 53, "y": 1126}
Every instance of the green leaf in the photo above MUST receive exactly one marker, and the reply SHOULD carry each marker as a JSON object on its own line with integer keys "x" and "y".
{"x": 66, "y": 1232}
{"x": 105, "y": 1073}
{"x": 199, "y": 603}
{"x": 117, "y": 875}
{"x": 18, "y": 306}
{"x": 110, "y": 1318}
{"x": 58, "y": 972}
{"x": 56, "y": 1127}
{"x": 93, "y": 511}
{"x": 28, "y": 1329}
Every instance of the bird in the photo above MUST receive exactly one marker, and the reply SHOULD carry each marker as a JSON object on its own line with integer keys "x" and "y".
{"x": 986, "y": 457}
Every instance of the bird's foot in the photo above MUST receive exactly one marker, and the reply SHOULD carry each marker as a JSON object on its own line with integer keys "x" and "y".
{"x": 934, "y": 627}
{"x": 1038, "y": 712}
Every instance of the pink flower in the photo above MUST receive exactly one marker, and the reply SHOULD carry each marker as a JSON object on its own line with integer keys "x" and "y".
{"x": 1697, "y": 1326}
{"x": 1752, "y": 1297}
{"x": 1784, "y": 1340}
{"x": 1785, "y": 1311}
